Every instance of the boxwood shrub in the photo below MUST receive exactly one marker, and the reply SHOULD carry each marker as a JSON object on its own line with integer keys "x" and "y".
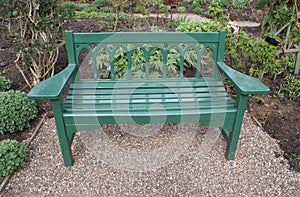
{"x": 16, "y": 111}
{"x": 12, "y": 156}
{"x": 5, "y": 84}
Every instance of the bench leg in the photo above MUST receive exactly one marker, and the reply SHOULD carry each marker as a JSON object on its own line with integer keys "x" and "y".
{"x": 233, "y": 138}
{"x": 64, "y": 141}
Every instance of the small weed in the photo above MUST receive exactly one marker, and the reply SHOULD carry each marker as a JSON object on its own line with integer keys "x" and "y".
{"x": 295, "y": 159}
{"x": 257, "y": 99}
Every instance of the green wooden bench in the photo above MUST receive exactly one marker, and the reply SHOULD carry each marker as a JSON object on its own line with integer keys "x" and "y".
{"x": 146, "y": 99}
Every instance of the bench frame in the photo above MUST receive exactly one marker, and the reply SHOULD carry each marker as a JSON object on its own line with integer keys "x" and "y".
{"x": 53, "y": 88}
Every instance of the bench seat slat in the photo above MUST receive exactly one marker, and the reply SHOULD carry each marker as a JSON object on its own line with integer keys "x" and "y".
{"x": 88, "y": 98}
{"x": 146, "y": 91}
{"x": 107, "y": 100}
{"x": 145, "y": 107}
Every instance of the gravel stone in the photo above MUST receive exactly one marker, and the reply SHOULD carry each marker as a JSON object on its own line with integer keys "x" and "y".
{"x": 258, "y": 170}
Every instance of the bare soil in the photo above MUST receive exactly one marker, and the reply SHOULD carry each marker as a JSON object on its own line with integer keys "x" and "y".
{"x": 280, "y": 118}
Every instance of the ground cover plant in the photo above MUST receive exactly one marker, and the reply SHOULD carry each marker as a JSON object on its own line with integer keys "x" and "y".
{"x": 16, "y": 111}
{"x": 12, "y": 156}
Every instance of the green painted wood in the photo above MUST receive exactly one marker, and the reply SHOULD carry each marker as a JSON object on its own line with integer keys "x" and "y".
{"x": 163, "y": 41}
{"x": 52, "y": 88}
{"x": 71, "y": 47}
{"x": 146, "y": 37}
{"x": 216, "y": 115}
{"x": 171, "y": 82}
{"x": 244, "y": 83}
{"x": 73, "y": 128}
{"x": 64, "y": 140}
{"x": 90, "y": 103}
{"x": 233, "y": 137}
{"x": 221, "y": 46}
{"x": 225, "y": 133}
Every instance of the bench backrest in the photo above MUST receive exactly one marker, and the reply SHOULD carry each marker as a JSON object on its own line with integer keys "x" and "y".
{"x": 128, "y": 52}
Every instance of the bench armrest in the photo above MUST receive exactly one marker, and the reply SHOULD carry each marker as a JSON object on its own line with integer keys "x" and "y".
{"x": 51, "y": 88}
{"x": 245, "y": 84}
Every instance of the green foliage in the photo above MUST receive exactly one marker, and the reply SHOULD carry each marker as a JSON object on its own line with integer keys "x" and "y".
{"x": 99, "y": 14}
{"x": 278, "y": 12}
{"x": 197, "y": 3}
{"x": 295, "y": 35}
{"x": 280, "y": 16}
{"x": 5, "y": 84}
{"x": 291, "y": 87}
{"x": 236, "y": 4}
{"x": 12, "y": 156}
{"x": 138, "y": 62}
{"x": 249, "y": 55}
{"x": 258, "y": 57}
{"x": 178, "y": 20}
{"x": 295, "y": 159}
{"x": 216, "y": 12}
{"x": 181, "y": 9}
{"x": 200, "y": 26}
{"x": 100, "y": 9}
{"x": 36, "y": 28}
{"x": 198, "y": 10}
{"x": 280, "y": 19}
{"x": 257, "y": 99}
{"x": 101, "y": 3}
{"x": 16, "y": 111}
{"x": 67, "y": 8}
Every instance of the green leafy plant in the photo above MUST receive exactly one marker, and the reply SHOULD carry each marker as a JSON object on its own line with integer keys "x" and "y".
{"x": 291, "y": 87}
{"x": 236, "y": 4}
{"x": 198, "y": 10}
{"x": 36, "y": 28}
{"x": 259, "y": 58}
{"x": 12, "y": 156}
{"x": 295, "y": 159}
{"x": 197, "y": 3}
{"x": 178, "y": 20}
{"x": 5, "y": 84}
{"x": 181, "y": 9}
{"x": 200, "y": 26}
{"x": 138, "y": 62}
{"x": 216, "y": 13}
{"x": 16, "y": 111}
{"x": 68, "y": 9}
{"x": 243, "y": 52}
{"x": 281, "y": 21}
{"x": 101, "y": 3}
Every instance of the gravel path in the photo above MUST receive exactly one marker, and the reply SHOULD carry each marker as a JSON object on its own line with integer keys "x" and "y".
{"x": 259, "y": 169}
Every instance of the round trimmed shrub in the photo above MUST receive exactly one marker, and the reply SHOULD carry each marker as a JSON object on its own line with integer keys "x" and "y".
{"x": 12, "y": 156}
{"x": 16, "y": 111}
{"x": 5, "y": 84}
